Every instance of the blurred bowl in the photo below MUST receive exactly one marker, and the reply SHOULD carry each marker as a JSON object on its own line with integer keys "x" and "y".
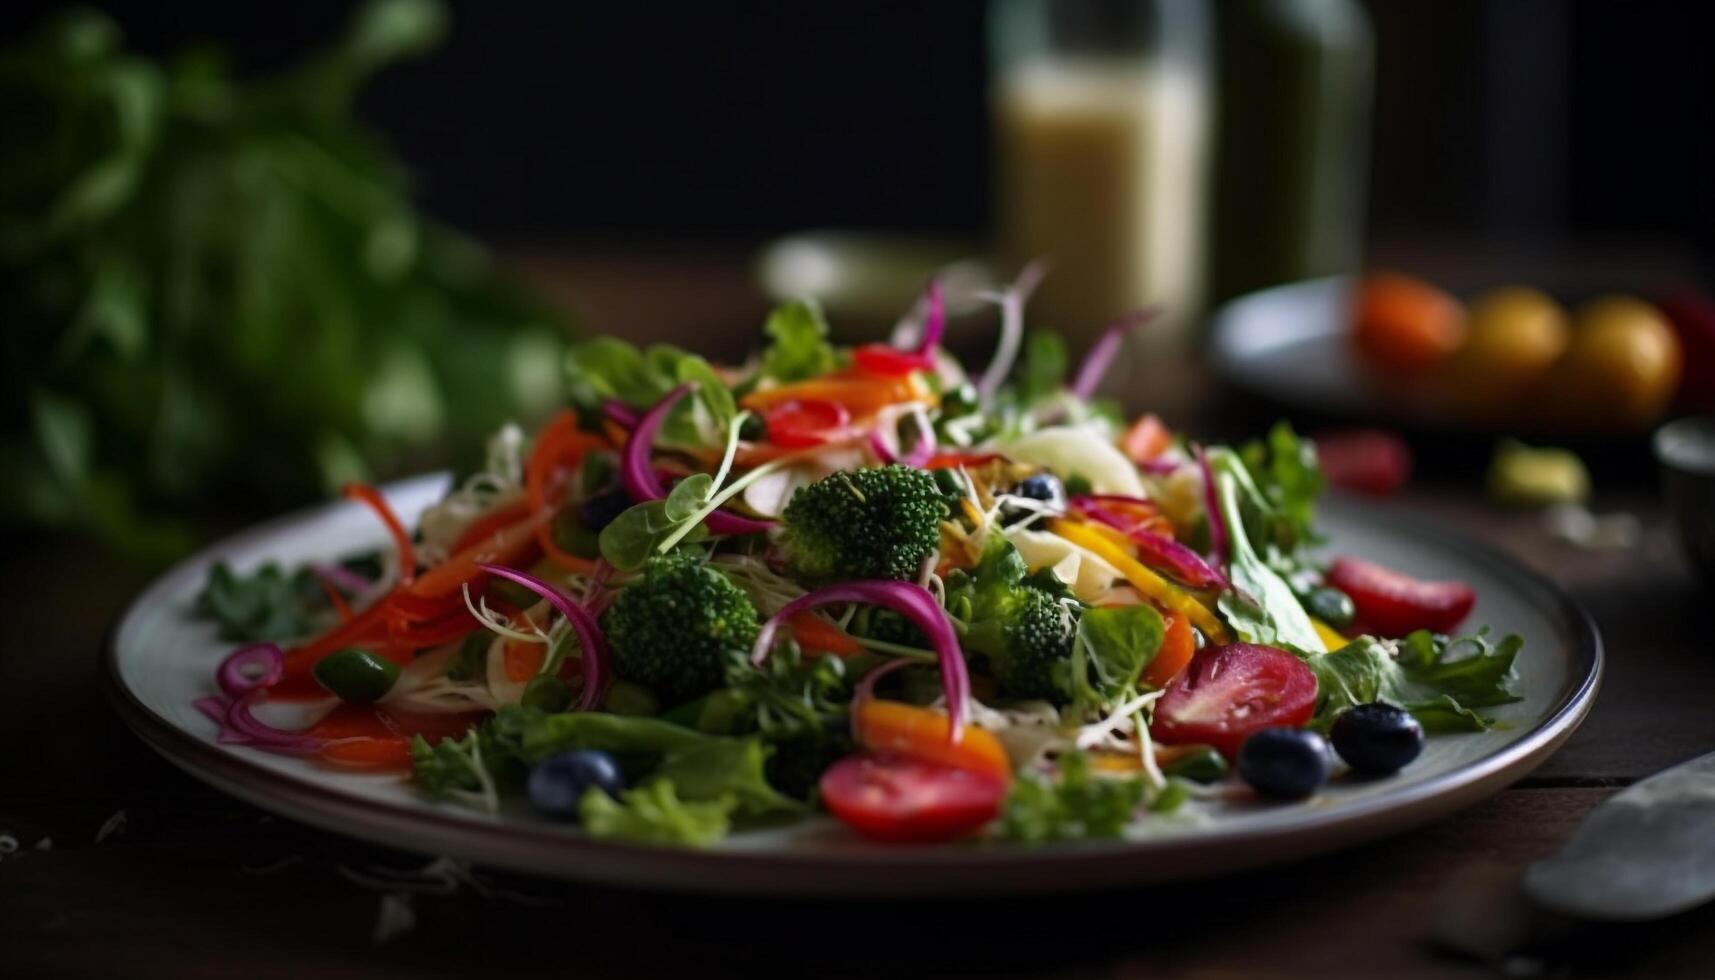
{"x": 1686, "y": 450}
{"x": 866, "y": 281}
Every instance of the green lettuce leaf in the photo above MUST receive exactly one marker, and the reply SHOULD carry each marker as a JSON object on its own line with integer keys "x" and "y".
{"x": 1261, "y": 606}
{"x": 1439, "y": 680}
{"x": 798, "y": 347}
{"x": 1113, "y": 647}
{"x": 654, "y": 814}
{"x": 1076, "y": 805}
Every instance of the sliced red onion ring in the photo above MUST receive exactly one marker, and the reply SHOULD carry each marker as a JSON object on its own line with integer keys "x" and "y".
{"x": 935, "y": 324}
{"x": 594, "y": 645}
{"x": 1159, "y": 467}
{"x": 1101, "y": 356}
{"x": 1011, "y": 328}
{"x": 1218, "y": 533}
{"x": 920, "y": 453}
{"x": 250, "y": 668}
{"x": 1157, "y": 550}
{"x": 639, "y": 478}
{"x": 264, "y": 736}
{"x": 911, "y": 601}
{"x": 619, "y": 413}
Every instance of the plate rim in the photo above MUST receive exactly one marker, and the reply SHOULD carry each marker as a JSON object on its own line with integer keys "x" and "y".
{"x": 956, "y": 870}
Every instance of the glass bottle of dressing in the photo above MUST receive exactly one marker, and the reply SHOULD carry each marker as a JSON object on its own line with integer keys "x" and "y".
{"x": 1102, "y": 117}
{"x": 1292, "y": 143}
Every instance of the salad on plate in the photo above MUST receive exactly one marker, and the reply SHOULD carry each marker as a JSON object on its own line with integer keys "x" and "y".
{"x": 937, "y": 604}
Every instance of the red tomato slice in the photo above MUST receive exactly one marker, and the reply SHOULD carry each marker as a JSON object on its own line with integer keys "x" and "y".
{"x": 889, "y": 361}
{"x": 900, "y": 800}
{"x": 1229, "y": 692}
{"x": 1393, "y": 604}
{"x": 804, "y": 422}
{"x": 1366, "y": 460}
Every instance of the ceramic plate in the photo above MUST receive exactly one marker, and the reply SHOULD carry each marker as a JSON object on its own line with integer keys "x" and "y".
{"x": 161, "y": 658}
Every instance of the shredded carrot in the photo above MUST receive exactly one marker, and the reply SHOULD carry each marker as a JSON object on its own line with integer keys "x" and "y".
{"x": 401, "y": 537}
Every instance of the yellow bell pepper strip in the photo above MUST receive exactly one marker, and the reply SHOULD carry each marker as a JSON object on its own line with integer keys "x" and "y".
{"x": 1331, "y": 637}
{"x": 1152, "y": 586}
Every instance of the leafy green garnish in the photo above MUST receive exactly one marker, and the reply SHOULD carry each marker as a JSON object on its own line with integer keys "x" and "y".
{"x": 1042, "y": 369}
{"x": 799, "y": 347}
{"x": 1113, "y": 647}
{"x": 266, "y": 604}
{"x": 1261, "y": 607}
{"x": 1439, "y": 680}
{"x": 654, "y": 814}
{"x": 1283, "y": 480}
{"x": 1074, "y": 806}
{"x": 196, "y": 265}
{"x": 607, "y": 367}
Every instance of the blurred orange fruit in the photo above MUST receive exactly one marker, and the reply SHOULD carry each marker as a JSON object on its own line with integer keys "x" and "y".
{"x": 1516, "y": 335}
{"x": 1406, "y": 326}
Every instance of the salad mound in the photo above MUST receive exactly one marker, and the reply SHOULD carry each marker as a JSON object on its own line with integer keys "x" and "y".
{"x": 932, "y": 603}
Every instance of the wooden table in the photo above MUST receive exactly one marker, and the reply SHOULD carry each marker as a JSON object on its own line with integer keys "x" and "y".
{"x": 127, "y": 867}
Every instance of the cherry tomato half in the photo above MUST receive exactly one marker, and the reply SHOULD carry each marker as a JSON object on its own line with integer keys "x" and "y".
{"x": 900, "y": 800}
{"x": 1229, "y": 692}
{"x": 1391, "y": 603}
{"x": 889, "y": 361}
{"x": 804, "y": 422}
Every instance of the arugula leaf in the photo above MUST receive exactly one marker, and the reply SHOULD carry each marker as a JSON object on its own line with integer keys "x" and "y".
{"x": 1075, "y": 806}
{"x": 1042, "y": 370}
{"x": 267, "y": 604}
{"x": 725, "y": 768}
{"x": 654, "y": 814}
{"x": 633, "y": 536}
{"x": 1113, "y": 647}
{"x": 1287, "y": 482}
{"x": 607, "y": 367}
{"x": 1439, "y": 680}
{"x": 799, "y": 348}
{"x": 1261, "y": 606}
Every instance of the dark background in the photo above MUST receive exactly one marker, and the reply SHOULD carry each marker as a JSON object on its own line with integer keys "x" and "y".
{"x": 543, "y": 125}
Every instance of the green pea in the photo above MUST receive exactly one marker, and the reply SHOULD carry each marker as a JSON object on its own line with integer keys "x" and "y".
{"x": 547, "y": 692}
{"x": 356, "y": 676}
{"x": 1331, "y": 606}
{"x": 1202, "y": 764}
{"x": 960, "y": 401}
{"x": 626, "y": 698}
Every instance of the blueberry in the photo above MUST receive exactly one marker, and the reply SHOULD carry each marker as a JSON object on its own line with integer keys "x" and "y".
{"x": 1331, "y": 606}
{"x": 600, "y": 510}
{"x": 1045, "y": 487}
{"x": 1377, "y": 738}
{"x": 558, "y": 783}
{"x": 1287, "y": 763}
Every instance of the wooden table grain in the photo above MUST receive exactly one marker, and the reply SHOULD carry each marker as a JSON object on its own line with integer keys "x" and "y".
{"x": 117, "y": 864}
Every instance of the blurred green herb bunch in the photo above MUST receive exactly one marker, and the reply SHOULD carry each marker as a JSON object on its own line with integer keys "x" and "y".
{"x": 218, "y": 289}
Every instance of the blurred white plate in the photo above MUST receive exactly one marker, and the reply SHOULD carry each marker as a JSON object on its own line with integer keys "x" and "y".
{"x": 161, "y": 658}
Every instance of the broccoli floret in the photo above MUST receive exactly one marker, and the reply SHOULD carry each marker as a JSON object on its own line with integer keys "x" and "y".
{"x": 1036, "y": 647}
{"x": 864, "y": 524}
{"x": 674, "y": 630}
{"x": 1018, "y": 620}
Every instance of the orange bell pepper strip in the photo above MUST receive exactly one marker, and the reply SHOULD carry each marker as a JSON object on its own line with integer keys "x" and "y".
{"x": 922, "y": 733}
{"x": 492, "y": 523}
{"x": 1177, "y": 647}
{"x": 859, "y": 394}
{"x": 401, "y": 537}
{"x": 1146, "y": 439}
{"x": 1152, "y": 586}
{"x": 560, "y": 441}
{"x": 816, "y": 635}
